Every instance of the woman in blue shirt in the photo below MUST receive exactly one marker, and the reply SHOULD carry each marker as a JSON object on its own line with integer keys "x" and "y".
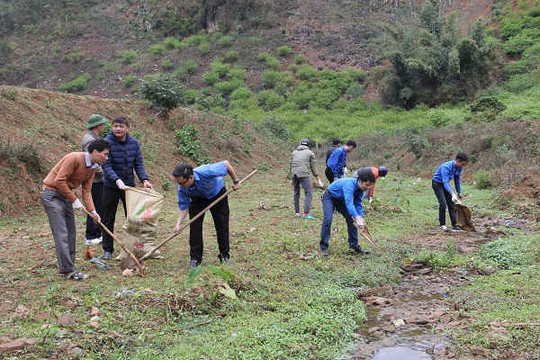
{"x": 345, "y": 195}
{"x": 198, "y": 188}
{"x": 441, "y": 187}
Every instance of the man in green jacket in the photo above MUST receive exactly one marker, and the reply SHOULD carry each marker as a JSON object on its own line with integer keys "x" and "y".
{"x": 301, "y": 164}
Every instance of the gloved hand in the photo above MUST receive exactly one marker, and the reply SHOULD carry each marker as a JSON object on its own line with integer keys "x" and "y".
{"x": 455, "y": 197}
{"x": 370, "y": 199}
{"x": 321, "y": 184}
{"x": 120, "y": 184}
{"x": 345, "y": 170}
{"x": 96, "y": 216}
{"x": 77, "y": 205}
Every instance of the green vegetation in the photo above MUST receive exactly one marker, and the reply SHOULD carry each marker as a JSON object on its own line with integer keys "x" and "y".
{"x": 189, "y": 144}
{"x": 78, "y": 84}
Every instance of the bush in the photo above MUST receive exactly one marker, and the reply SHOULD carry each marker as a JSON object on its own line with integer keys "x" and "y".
{"x": 517, "y": 44}
{"x": 271, "y": 61}
{"x": 167, "y": 64}
{"x": 284, "y": 50}
{"x": 172, "y": 43}
{"x": 275, "y": 127}
{"x": 226, "y": 40}
{"x": 25, "y": 153}
{"x": 438, "y": 117}
{"x": 204, "y": 48}
{"x": 231, "y": 56}
{"x": 129, "y": 80}
{"x": 516, "y": 67}
{"x": 241, "y": 93}
{"x": 416, "y": 142}
{"x": 78, "y": 84}
{"x": 163, "y": 91}
{"x": 306, "y": 72}
{"x": 237, "y": 73}
{"x": 210, "y": 78}
{"x": 483, "y": 180}
{"x": 487, "y": 103}
{"x": 75, "y": 57}
{"x": 157, "y": 49}
{"x": 355, "y": 91}
{"x": 356, "y": 75}
{"x": 220, "y": 68}
{"x": 189, "y": 145}
{"x": 299, "y": 59}
{"x": 225, "y": 87}
{"x": 194, "y": 40}
{"x": 519, "y": 83}
{"x": 270, "y": 78}
{"x": 270, "y": 100}
{"x": 127, "y": 56}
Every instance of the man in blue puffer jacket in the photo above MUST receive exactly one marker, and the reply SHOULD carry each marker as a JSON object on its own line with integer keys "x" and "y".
{"x": 125, "y": 156}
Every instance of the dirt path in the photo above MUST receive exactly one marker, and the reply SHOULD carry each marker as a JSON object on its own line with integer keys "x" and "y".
{"x": 407, "y": 321}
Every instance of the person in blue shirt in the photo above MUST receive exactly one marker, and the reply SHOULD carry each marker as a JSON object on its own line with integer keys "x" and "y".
{"x": 441, "y": 187}
{"x": 345, "y": 195}
{"x": 198, "y": 188}
{"x": 336, "y": 161}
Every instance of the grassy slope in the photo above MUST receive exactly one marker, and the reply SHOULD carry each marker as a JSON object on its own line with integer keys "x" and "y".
{"x": 291, "y": 303}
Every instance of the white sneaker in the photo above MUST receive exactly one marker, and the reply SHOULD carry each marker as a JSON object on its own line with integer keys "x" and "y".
{"x": 95, "y": 241}
{"x": 443, "y": 228}
{"x": 297, "y": 214}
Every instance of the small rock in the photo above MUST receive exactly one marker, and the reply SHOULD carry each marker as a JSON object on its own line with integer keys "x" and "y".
{"x": 65, "y": 320}
{"x": 18, "y": 344}
{"x": 95, "y": 311}
{"x": 94, "y": 324}
{"x": 398, "y": 322}
{"x": 389, "y": 328}
{"x": 22, "y": 311}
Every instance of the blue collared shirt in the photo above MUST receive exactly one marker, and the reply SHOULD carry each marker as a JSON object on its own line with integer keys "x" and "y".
{"x": 446, "y": 172}
{"x": 208, "y": 183}
{"x": 336, "y": 161}
{"x": 88, "y": 162}
{"x": 348, "y": 190}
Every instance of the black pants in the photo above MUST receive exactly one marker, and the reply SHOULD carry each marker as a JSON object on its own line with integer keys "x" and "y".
{"x": 329, "y": 174}
{"x": 445, "y": 199}
{"x": 220, "y": 214}
{"x": 93, "y": 230}
{"x": 111, "y": 196}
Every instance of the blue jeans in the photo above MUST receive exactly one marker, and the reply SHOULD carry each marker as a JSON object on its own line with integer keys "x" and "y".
{"x": 328, "y": 206}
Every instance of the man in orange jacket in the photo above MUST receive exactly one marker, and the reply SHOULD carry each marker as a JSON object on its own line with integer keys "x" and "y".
{"x": 73, "y": 170}
{"x": 380, "y": 171}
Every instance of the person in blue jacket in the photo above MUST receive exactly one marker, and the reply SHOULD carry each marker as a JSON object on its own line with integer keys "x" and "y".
{"x": 336, "y": 161}
{"x": 198, "y": 188}
{"x": 125, "y": 156}
{"x": 441, "y": 187}
{"x": 345, "y": 195}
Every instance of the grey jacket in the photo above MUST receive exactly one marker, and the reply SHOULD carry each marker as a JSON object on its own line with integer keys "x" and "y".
{"x": 302, "y": 161}
{"x": 87, "y": 138}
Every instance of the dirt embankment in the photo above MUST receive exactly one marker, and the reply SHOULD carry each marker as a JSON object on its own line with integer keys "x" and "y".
{"x": 39, "y": 127}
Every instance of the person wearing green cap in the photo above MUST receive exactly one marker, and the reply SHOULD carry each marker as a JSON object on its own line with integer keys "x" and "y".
{"x": 96, "y": 126}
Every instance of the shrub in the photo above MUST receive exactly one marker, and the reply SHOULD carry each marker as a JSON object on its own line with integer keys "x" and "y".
{"x": 220, "y": 68}
{"x": 163, "y": 91}
{"x": 519, "y": 83}
{"x": 167, "y": 64}
{"x": 355, "y": 91}
{"x": 157, "y": 49}
{"x": 356, "y": 75}
{"x": 284, "y": 50}
{"x": 225, "y": 87}
{"x": 438, "y": 117}
{"x": 416, "y": 142}
{"x": 129, "y": 80}
{"x": 271, "y": 61}
{"x": 306, "y": 72}
{"x": 172, "y": 43}
{"x": 186, "y": 68}
{"x": 226, "y": 40}
{"x": 270, "y": 78}
{"x": 210, "y": 78}
{"x": 194, "y": 40}
{"x": 483, "y": 180}
{"x": 26, "y": 153}
{"x": 241, "y": 93}
{"x": 515, "y": 67}
{"x": 9, "y": 94}
{"x": 517, "y": 44}
{"x": 127, "y": 56}
{"x": 275, "y": 127}
{"x": 189, "y": 145}
{"x": 78, "y": 84}
{"x": 254, "y": 40}
{"x": 231, "y": 56}
{"x": 75, "y": 57}
{"x": 299, "y": 59}
{"x": 487, "y": 103}
{"x": 237, "y": 73}
{"x": 204, "y": 47}
{"x": 270, "y": 100}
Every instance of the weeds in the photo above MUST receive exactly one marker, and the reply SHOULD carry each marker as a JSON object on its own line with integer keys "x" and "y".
{"x": 25, "y": 153}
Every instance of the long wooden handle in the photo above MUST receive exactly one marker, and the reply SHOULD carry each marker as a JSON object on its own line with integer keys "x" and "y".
{"x": 173, "y": 235}
{"x": 133, "y": 257}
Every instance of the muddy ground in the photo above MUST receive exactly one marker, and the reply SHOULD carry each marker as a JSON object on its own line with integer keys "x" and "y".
{"x": 410, "y": 320}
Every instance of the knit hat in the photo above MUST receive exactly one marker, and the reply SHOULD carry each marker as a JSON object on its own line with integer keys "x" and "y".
{"x": 304, "y": 142}
{"x": 95, "y": 120}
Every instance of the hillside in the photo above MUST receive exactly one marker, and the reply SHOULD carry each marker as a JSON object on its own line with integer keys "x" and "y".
{"x": 47, "y": 44}
{"x": 39, "y": 127}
